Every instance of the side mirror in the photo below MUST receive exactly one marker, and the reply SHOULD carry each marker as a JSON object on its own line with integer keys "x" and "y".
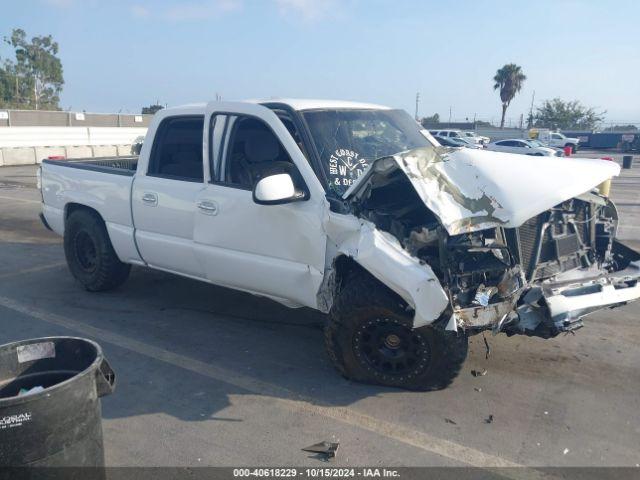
{"x": 277, "y": 189}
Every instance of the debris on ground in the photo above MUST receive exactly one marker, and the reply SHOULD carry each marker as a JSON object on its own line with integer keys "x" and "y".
{"x": 479, "y": 373}
{"x": 489, "y": 419}
{"x": 30, "y": 391}
{"x": 566, "y": 450}
{"x": 477, "y": 389}
{"x": 487, "y": 347}
{"x": 328, "y": 449}
{"x": 448, "y": 420}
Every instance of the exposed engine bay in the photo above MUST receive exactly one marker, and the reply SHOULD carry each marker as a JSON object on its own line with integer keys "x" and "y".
{"x": 538, "y": 278}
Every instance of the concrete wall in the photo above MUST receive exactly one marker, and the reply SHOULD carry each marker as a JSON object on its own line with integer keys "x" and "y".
{"x": 44, "y": 118}
{"x": 29, "y": 145}
{"x": 33, "y": 155}
{"x": 67, "y": 136}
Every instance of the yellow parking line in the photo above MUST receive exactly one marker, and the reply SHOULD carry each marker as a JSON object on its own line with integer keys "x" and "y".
{"x": 291, "y": 400}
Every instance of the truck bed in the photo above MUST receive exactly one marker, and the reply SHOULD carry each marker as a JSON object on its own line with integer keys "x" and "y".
{"x": 114, "y": 165}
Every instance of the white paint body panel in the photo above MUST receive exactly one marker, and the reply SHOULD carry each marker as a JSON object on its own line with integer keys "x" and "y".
{"x": 381, "y": 254}
{"x": 274, "y": 250}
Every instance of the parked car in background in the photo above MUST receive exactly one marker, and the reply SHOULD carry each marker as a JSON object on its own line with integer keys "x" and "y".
{"x": 538, "y": 143}
{"x": 474, "y": 137}
{"x": 456, "y": 142}
{"x": 554, "y": 139}
{"x": 449, "y": 133}
{"x": 459, "y": 134}
{"x": 523, "y": 147}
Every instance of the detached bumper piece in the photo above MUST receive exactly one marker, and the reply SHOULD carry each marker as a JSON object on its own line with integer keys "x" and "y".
{"x": 568, "y": 304}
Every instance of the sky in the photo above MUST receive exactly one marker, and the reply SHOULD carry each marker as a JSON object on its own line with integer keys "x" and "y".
{"x": 121, "y": 55}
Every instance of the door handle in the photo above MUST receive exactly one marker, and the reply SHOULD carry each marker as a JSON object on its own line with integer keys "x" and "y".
{"x": 150, "y": 198}
{"x": 208, "y": 207}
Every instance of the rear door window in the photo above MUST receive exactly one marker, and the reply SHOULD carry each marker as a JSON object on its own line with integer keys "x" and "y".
{"x": 177, "y": 149}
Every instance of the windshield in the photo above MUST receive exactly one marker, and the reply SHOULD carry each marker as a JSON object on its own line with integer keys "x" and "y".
{"x": 349, "y": 140}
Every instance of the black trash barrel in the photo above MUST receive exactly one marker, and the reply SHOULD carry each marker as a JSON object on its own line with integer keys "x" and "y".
{"x": 60, "y": 425}
{"x": 626, "y": 161}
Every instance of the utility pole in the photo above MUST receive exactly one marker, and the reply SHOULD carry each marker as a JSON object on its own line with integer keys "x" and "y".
{"x": 530, "y": 119}
{"x": 449, "y": 114}
{"x": 417, "y": 102}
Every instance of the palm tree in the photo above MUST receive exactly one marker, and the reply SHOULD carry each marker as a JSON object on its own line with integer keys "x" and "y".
{"x": 508, "y": 80}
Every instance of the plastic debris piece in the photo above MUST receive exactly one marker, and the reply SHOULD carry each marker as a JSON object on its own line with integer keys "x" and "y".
{"x": 487, "y": 347}
{"x": 448, "y": 420}
{"x": 479, "y": 373}
{"x": 326, "y": 448}
{"x": 489, "y": 419}
{"x": 24, "y": 391}
{"x": 477, "y": 389}
{"x": 566, "y": 450}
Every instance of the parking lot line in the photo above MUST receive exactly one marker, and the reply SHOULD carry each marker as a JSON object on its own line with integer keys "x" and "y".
{"x": 24, "y": 200}
{"x": 283, "y": 396}
{"x": 32, "y": 270}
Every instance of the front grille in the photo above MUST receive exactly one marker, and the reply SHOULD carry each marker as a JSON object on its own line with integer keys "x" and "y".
{"x": 528, "y": 235}
{"x": 557, "y": 245}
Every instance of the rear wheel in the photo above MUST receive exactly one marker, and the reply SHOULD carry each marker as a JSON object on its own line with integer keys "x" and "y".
{"x": 89, "y": 253}
{"x": 370, "y": 339}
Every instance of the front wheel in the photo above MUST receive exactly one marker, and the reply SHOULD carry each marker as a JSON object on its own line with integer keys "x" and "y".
{"x": 370, "y": 339}
{"x": 89, "y": 253}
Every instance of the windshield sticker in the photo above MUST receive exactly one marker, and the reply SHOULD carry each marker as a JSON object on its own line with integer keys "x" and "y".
{"x": 345, "y": 166}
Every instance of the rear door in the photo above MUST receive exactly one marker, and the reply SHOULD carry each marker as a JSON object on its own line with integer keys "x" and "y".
{"x": 272, "y": 250}
{"x": 164, "y": 200}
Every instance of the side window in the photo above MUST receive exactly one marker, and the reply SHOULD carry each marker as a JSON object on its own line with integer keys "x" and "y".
{"x": 177, "y": 149}
{"x": 253, "y": 152}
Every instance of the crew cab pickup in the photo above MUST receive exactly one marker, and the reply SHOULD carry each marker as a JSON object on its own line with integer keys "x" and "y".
{"x": 350, "y": 209}
{"x": 554, "y": 139}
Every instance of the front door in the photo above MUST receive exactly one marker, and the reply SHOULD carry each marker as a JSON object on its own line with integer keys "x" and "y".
{"x": 272, "y": 250}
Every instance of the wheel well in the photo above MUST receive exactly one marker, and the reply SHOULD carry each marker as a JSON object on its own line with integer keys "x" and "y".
{"x": 74, "y": 207}
{"x": 346, "y": 268}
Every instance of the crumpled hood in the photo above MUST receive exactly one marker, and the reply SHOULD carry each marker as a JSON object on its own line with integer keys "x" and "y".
{"x": 471, "y": 190}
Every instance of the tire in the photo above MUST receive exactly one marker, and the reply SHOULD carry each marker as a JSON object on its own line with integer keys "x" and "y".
{"x": 89, "y": 253}
{"x": 370, "y": 339}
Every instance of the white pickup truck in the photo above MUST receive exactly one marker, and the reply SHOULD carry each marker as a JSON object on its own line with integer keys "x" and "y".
{"x": 554, "y": 139}
{"x": 348, "y": 208}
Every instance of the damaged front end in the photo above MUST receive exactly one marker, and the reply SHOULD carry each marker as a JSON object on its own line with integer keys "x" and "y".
{"x": 514, "y": 249}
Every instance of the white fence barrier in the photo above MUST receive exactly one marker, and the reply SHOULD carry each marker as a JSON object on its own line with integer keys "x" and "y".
{"x": 30, "y": 145}
{"x": 12, "y": 137}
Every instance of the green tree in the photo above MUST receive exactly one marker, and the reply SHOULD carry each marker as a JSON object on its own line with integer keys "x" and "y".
{"x": 621, "y": 128}
{"x": 557, "y": 113}
{"x": 151, "y": 109}
{"x": 35, "y": 77}
{"x": 508, "y": 80}
{"x": 432, "y": 120}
